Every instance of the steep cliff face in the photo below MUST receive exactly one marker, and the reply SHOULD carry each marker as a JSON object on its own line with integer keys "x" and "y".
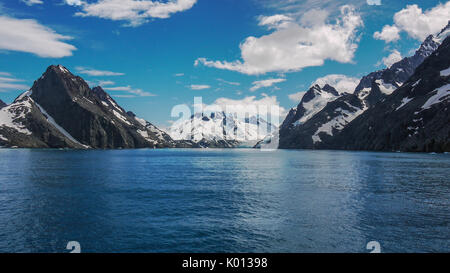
{"x": 85, "y": 118}
{"x": 415, "y": 118}
{"x": 319, "y": 129}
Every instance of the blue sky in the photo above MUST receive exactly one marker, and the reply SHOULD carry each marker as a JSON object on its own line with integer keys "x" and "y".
{"x": 144, "y": 54}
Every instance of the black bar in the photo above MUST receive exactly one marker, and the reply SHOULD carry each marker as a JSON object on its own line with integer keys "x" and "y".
{"x": 225, "y": 262}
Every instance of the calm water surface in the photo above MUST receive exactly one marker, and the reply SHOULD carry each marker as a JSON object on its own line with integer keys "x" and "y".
{"x": 223, "y": 201}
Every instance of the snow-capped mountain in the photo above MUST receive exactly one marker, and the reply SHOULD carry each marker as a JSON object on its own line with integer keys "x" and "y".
{"x": 415, "y": 118}
{"x": 336, "y": 112}
{"x": 61, "y": 111}
{"x": 220, "y": 129}
{"x": 315, "y": 99}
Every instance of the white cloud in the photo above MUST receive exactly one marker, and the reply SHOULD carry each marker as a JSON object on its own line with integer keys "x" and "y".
{"x": 199, "y": 86}
{"x": 27, "y": 35}
{"x": 134, "y": 11}
{"x": 265, "y": 83}
{"x": 96, "y": 73}
{"x": 74, "y": 2}
{"x": 314, "y": 17}
{"x": 341, "y": 83}
{"x": 228, "y": 82}
{"x": 10, "y": 83}
{"x": 297, "y": 97}
{"x": 416, "y": 23}
{"x": 295, "y": 46}
{"x": 32, "y": 2}
{"x": 179, "y": 75}
{"x": 374, "y": 2}
{"x": 394, "y": 57}
{"x": 388, "y": 34}
{"x": 103, "y": 83}
{"x": 274, "y": 21}
{"x": 128, "y": 89}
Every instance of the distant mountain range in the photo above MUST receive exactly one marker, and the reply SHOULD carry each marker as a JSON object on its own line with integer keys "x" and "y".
{"x": 404, "y": 107}
{"x": 389, "y": 110}
{"x": 221, "y": 129}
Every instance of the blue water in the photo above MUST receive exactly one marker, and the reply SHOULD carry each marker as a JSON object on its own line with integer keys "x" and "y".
{"x": 223, "y": 201}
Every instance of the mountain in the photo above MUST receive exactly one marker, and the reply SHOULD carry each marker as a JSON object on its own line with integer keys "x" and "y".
{"x": 301, "y": 130}
{"x": 61, "y": 111}
{"x": 2, "y": 104}
{"x": 416, "y": 118}
{"x": 314, "y": 100}
{"x": 221, "y": 130}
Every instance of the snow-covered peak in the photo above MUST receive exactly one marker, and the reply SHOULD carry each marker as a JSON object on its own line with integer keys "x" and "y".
{"x": 62, "y": 68}
{"x": 23, "y": 95}
{"x": 12, "y": 115}
{"x": 314, "y": 101}
{"x": 430, "y": 45}
{"x": 440, "y": 37}
{"x": 216, "y": 126}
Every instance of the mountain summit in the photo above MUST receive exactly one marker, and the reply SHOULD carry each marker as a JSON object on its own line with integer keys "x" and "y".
{"x": 316, "y": 125}
{"x": 62, "y": 111}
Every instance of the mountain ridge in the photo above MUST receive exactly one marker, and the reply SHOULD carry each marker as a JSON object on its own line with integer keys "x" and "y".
{"x": 61, "y": 111}
{"x": 337, "y": 113}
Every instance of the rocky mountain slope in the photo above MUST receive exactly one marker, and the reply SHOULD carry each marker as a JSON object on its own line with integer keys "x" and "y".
{"x": 415, "y": 118}
{"x": 2, "y": 104}
{"x": 61, "y": 111}
{"x": 303, "y": 130}
{"x": 221, "y": 130}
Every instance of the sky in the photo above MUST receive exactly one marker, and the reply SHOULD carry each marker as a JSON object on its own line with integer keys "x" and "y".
{"x": 153, "y": 55}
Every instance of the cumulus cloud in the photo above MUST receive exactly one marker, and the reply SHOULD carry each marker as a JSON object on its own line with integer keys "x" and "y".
{"x": 297, "y": 97}
{"x": 341, "y": 83}
{"x": 265, "y": 83}
{"x": 388, "y": 34}
{"x": 293, "y": 46}
{"x": 96, "y": 73}
{"x": 416, "y": 23}
{"x": 314, "y": 17}
{"x": 394, "y": 57}
{"x": 9, "y": 83}
{"x": 32, "y": 2}
{"x": 27, "y": 35}
{"x": 199, "y": 86}
{"x": 132, "y": 92}
{"x": 134, "y": 11}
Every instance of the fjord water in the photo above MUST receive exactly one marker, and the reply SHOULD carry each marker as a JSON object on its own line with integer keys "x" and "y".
{"x": 236, "y": 200}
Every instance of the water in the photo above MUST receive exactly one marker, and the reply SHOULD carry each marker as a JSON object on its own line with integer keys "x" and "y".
{"x": 223, "y": 201}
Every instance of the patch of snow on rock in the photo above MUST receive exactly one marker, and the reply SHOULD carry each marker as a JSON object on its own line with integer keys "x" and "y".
{"x": 442, "y": 94}
{"x": 11, "y": 115}
{"x": 386, "y": 88}
{"x": 404, "y": 102}
{"x": 445, "y": 73}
